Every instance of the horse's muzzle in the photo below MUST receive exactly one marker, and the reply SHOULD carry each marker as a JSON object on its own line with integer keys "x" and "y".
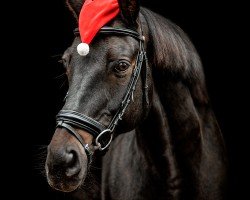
{"x": 66, "y": 163}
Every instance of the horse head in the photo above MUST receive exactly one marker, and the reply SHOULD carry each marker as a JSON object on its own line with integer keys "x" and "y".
{"x": 109, "y": 85}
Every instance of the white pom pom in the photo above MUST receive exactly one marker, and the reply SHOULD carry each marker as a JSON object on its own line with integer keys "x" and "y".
{"x": 83, "y": 49}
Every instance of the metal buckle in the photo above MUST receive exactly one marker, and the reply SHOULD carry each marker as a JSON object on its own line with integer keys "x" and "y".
{"x": 88, "y": 150}
{"x": 99, "y": 146}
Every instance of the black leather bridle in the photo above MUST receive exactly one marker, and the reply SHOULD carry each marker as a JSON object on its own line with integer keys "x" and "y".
{"x": 70, "y": 120}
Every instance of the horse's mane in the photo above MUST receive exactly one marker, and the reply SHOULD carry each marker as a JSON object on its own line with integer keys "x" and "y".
{"x": 173, "y": 53}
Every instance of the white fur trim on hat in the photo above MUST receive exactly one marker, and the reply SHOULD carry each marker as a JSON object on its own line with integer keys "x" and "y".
{"x": 83, "y": 49}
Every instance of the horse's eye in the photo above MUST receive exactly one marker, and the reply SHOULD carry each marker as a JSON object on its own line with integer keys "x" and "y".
{"x": 122, "y": 66}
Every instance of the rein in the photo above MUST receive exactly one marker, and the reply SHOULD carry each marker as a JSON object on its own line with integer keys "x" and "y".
{"x": 68, "y": 118}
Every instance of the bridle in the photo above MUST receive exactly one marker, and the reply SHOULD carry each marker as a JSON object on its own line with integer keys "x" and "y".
{"x": 70, "y": 119}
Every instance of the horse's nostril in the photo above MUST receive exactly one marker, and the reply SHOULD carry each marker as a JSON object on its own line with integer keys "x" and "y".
{"x": 70, "y": 158}
{"x": 63, "y": 162}
{"x": 72, "y": 163}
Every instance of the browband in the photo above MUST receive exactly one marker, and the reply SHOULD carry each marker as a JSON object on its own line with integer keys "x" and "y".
{"x": 116, "y": 31}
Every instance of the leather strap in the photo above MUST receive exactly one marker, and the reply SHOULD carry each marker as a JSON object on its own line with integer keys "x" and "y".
{"x": 81, "y": 121}
{"x": 120, "y": 31}
{"x": 116, "y": 31}
{"x": 71, "y": 130}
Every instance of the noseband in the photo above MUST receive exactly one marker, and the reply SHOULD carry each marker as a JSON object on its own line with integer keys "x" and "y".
{"x": 68, "y": 119}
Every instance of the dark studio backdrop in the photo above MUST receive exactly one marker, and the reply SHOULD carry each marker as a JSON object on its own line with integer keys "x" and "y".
{"x": 215, "y": 30}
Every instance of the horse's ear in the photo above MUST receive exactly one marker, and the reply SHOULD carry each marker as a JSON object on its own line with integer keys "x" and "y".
{"x": 75, "y": 6}
{"x": 129, "y": 10}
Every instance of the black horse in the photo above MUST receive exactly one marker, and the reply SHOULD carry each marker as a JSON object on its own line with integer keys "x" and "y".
{"x": 146, "y": 75}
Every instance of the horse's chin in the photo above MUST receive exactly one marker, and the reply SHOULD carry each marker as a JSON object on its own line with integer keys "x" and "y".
{"x": 65, "y": 184}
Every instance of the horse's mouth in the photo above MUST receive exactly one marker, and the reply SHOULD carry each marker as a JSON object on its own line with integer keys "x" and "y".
{"x": 65, "y": 184}
{"x": 65, "y": 179}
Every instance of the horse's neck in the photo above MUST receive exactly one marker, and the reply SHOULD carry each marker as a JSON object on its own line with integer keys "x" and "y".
{"x": 154, "y": 140}
{"x": 153, "y": 135}
{"x": 197, "y": 139}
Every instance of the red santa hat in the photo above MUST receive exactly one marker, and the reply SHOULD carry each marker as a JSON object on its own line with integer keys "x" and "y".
{"x": 93, "y": 16}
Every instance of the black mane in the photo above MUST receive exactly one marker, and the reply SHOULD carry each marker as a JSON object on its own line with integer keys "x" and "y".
{"x": 174, "y": 54}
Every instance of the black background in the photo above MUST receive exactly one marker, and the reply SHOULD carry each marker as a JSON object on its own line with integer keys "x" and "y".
{"x": 218, "y": 33}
